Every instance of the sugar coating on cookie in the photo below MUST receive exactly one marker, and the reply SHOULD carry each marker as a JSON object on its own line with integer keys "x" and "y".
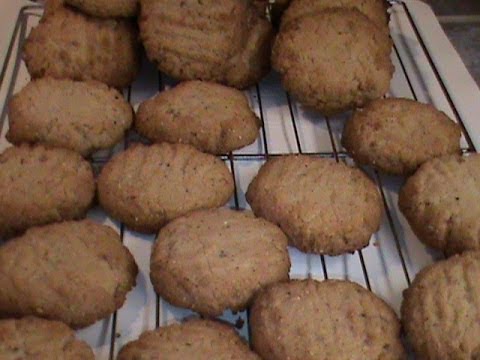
{"x": 40, "y": 185}
{"x": 106, "y": 8}
{"x": 213, "y": 260}
{"x": 147, "y": 186}
{"x": 333, "y": 319}
{"x": 375, "y": 10}
{"x": 440, "y": 311}
{"x": 76, "y": 115}
{"x": 76, "y": 272}
{"x": 211, "y": 117}
{"x": 69, "y": 44}
{"x": 193, "y": 339}
{"x": 398, "y": 135}
{"x": 222, "y": 41}
{"x": 441, "y": 202}
{"x": 333, "y": 60}
{"x": 32, "y": 338}
{"x": 324, "y": 207}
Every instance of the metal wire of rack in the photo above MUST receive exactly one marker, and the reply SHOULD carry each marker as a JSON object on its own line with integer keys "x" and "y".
{"x": 233, "y": 159}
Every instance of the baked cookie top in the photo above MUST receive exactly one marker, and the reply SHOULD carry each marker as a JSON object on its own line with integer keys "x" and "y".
{"x": 106, "y": 8}
{"x": 441, "y": 202}
{"x": 80, "y": 116}
{"x": 213, "y": 260}
{"x": 193, "y": 339}
{"x": 223, "y": 41}
{"x": 375, "y": 10}
{"x": 351, "y": 67}
{"x": 40, "y": 185}
{"x": 69, "y": 44}
{"x": 331, "y": 320}
{"x": 147, "y": 186}
{"x": 324, "y": 207}
{"x": 441, "y": 309}
{"x": 75, "y": 272}
{"x": 211, "y": 117}
{"x": 31, "y": 338}
{"x": 398, "y": 135}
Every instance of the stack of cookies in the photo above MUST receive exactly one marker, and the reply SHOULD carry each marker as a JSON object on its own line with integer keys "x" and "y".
{"x": 59, "y": 271}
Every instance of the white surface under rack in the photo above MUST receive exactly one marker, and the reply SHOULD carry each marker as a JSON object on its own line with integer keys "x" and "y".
{"x": 428, "y": 69}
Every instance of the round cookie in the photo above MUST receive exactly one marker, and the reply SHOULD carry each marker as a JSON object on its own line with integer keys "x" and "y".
{"x": 333, "y": 319}
{"x": 398, "y": 135}
{"x": 194, "y": 339}
{"x": 440, "y": 311}
{"x": 147, "y": 186}
{"x": 441, "y": 202}
{"x": 80, "y": 116}
{"x": 75, "y": 272}
{"x": 213, "y": 260}
{"x": 32, "y": 338}
{"x": 324, "y": 207}
{"x": 351, "y": 67}
{"x": 39, "y": 185}
{"x": 215, "y": 119}
{"x": 222, "y": 41}
{"x": 106, "y": 8}
{"x": 375, "y": 10}
{"x": 68, "y": 44}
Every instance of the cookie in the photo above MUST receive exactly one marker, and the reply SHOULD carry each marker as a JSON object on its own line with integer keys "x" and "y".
{"x": 106, "y": 8}
{"x": 194, "y": 339}
{"x": 440, "y": 311}
{"x": 331, "y": 320}
{"x": 213, "y": 260}
{"x": 324, "y": 207}
{"x": 75, "y": 272}
{"x": 68, "y": 44}
{"x": 375, "y": 10}
{"x": 211, "y": 117}
{"x": 441, "y": 202}
{"x": 351, "y": 67}
{"x": 396, "y": 136}
{"x": 39, "y": 185}
{"x": 32, "y": 338}
{"x": 80, "y": 116}
{"x": 222, "y": 41}
{"x": 147, "y": 186}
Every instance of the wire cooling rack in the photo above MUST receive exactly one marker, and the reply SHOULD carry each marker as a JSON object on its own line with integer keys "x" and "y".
{"x": 427, "y": 69}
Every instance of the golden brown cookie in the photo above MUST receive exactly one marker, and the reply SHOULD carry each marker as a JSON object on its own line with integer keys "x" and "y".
{"x": 32, "y": 338}
{"x": 39, "y": 185}
{"x": 441, "y": 309}
{"x": 375, "y": 10}
{"x": 350, "y": 67}
{"x": 80, "y": 116}
{"x": 223, "y": 41}
{"x": 75, "y": 272}
{"x": 194, "y": 339}
{"x": 68, "y": 44}
{"x": 398, "y": 135}
{"x": 324, "y": 207}
{"x": 441, "y": 202}
{"x": 213, "y": 260}
{"x": 333, "y": 319}
{"x": 212, "y": 117}
{"x": 106, "y": 8}
{"x": 147, "y": 186}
